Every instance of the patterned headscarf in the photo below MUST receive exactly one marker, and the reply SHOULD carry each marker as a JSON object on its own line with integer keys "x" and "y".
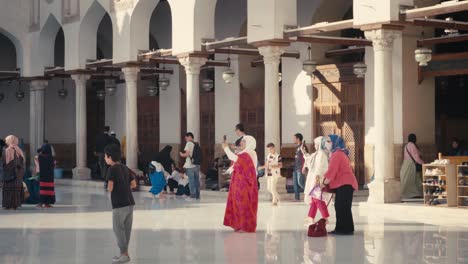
{"x": 13, "y": 148}
{"x": 338, "y": 144}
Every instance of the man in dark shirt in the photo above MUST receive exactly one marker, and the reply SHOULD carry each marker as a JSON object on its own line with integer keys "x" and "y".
{"x": 120, "y": 186}
{"x": 240, "y": 132}
{"x": 298, "y": 177}
{"x": 113, "y": 139}
{"x": 102, "y": 140}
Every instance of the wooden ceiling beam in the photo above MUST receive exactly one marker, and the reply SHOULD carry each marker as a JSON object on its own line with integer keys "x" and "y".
{"x": 335, "y": 40}
{"x": 98, "y": 63}
{"x": 164, "y": 60}
{"x": 256, "y": 63}
{"x": 213, "y": 63}
{"x": 228, "y": 42}
{"x": 342, "y": 52}
{"x": 156, "y": 71}
{"x": 146, "y": 55}
{"x": 439, "y": 9}
{"x": 53, "y": 70}
{"x": 10, "y": 74}
{"x": 441, "y": 40}
{"x": 319, "y": 28}
{"x": 440, "y": 23}
{"x": 252, "y": 52}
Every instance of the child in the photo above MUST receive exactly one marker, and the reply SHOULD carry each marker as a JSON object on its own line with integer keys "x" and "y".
{"x": 158, "y": 181}
{"x": 273, "y": 164}
{"x": 183, "y": 189}
{"x": 120, "y": 184}
{"x": 319, "y": 200}
{"x": 173, "y": 179}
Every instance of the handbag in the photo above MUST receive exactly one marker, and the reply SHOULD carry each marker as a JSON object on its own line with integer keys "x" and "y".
{"x": 27, "y": 194}
{"x": 318, "y": 229}
{"x": 418, "y": 166}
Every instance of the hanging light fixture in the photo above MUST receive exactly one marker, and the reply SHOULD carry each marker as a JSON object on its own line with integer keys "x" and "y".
{"x": 450, "y": 31}
{"x": 153, "y": 90}
{"x": 164, "y": 82}
{"x": 228, "y": 74}
{"x": 309, "y": 66}
{"x": 110, "y": 84}
{"x": 423, "y": 55}
{"x": 19, "y": 93}
{"x": 62, "y": 92}
{"x": 207, "y": 85}
{"x": 360, "y": 69}
{"x": 101, "y": 94}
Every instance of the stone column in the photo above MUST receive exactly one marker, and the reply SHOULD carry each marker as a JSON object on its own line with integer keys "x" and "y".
{"x": 385, "y": 188}
{"x": 271, "y": 57}
{"x": 81, "y": 171}
{"x": 192, "y": 70}
{"x": 36, "y": 116}
{"x": 131, "y": 124}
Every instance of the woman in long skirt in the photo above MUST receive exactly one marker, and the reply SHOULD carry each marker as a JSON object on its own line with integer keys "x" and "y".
{"x": 410, "y": 177}
{"x": 242, "y": 203}
{"x": 13, "y": 192}
{"x": 46, "y": 177}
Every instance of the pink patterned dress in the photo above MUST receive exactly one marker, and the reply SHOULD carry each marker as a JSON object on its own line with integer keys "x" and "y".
{"x": 242, "y": 203}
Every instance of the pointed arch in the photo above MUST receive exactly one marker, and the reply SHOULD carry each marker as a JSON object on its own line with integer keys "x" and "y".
{"x": 16, "y": 46}
{"x": 160, "y": 26}
{"x": 229, "y": 18}
{"x": 88, "y": 32}
{"x": 47, "y": 41}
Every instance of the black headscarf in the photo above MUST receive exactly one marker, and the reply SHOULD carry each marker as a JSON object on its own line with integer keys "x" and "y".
{"x": 412, "y": 139}
{"x": 164, "y": 157}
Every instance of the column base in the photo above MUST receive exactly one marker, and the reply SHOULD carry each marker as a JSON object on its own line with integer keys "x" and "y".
{"x": 81, "y": 174}
{"x": 387, "y": 191}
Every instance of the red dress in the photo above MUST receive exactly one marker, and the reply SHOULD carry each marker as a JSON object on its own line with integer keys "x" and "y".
{"x": 242, "y": 203}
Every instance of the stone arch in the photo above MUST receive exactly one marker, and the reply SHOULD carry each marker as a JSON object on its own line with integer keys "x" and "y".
{"x": 88, "y": 32}
{"x": 204, "y": 20}
{"x": 11, "y": 43}
{"x": 47, "y": 38}
{"x": 160, "y": 26}
{"x": 229, "y": 18}
{"x": 104, "y": 41}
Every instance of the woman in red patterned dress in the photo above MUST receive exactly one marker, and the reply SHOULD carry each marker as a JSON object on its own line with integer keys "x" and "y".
{"x": 242, "y": 203}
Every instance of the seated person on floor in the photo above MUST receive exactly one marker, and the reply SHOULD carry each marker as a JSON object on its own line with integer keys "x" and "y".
{"x": 156, "y": 175}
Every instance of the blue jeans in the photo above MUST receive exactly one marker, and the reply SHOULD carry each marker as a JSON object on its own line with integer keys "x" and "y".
{"x": 298, "y": 180}
{"x": 193, "y": 175}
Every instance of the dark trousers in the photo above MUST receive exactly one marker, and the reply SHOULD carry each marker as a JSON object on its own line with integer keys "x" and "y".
{"x": 343, "y": 204}
{"x": 172, "y": 185}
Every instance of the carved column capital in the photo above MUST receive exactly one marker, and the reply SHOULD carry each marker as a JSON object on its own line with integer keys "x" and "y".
{"x": 271, "y": 54}
{"x": 131, "y": 73}
{"x": 38, "y": 85}
{"x": 382, "y": 39}
{"x": 80, "y": 79}
{"x": 192, "y": 65}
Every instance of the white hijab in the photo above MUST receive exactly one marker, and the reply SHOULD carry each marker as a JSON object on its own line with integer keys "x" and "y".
{"x": 250, "y": 146}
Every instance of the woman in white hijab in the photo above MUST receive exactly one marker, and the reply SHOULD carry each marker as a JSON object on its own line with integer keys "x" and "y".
{"x": 242, "y": 203}
{"x": 317, "y": 165}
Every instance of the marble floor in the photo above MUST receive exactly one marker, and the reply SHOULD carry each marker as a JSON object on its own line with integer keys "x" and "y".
{"x": 170, "y": 231}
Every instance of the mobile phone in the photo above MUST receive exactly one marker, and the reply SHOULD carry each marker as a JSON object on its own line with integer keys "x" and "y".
{"x": 225, "y": 138}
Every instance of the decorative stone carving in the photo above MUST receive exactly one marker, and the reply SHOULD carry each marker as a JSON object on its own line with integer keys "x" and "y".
{"x": 382, "y": 39}
{"x": 271, "y": 54}
{"x": 70, "y": 11}
{"x": 192, "y": 65}
{"x": 120, "y": 5}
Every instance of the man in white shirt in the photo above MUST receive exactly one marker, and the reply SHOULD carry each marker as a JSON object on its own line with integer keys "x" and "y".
{"x": 191, "y": 170}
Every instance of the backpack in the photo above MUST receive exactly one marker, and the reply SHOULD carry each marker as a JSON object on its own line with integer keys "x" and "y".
{"x": 196, "y": 154}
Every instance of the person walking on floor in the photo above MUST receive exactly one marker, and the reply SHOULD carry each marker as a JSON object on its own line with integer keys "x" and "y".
{"x": 13, "y": 172}
{"x": 242, "y": 202}
{"x": 273, "y": 165}
{"x": 121, "y": 183}
{"x": 192, "y": 164}
{"x": 411, "y": 170}
{"x": 340, "y": 178}
{"x": 298, "y": 177}
{"x": 46, "y": 177}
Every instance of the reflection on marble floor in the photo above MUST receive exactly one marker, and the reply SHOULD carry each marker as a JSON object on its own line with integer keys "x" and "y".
{"x": 79, "y": 230}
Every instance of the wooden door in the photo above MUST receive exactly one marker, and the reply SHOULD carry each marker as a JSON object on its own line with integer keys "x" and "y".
{"x": 252, "y": 115}
{"x": 148, "y": 128}
{"x": 339, "y": 109}
{"x": 207, "y": 128}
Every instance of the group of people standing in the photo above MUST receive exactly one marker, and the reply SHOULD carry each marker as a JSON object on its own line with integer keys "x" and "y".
{"x": 328, "y": 169}
{"x": 13, "y": 165}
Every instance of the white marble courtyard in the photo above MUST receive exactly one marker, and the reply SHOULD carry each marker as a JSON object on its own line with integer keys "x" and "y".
{"x": 79, "y": 230}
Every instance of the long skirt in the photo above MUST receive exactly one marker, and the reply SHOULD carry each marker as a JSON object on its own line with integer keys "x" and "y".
{"x": 343, "y": 209}
{"x": 47, "y": 189}
{"x": 242, "y": 203}
{"x": 410, "y": 179}
{"x": 13, "y": 194}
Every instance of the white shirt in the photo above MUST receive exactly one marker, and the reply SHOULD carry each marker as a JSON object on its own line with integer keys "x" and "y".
{"x": 273, "y": 159}
{"x": 189, "y": 150}
{"x": 175, "y": 175}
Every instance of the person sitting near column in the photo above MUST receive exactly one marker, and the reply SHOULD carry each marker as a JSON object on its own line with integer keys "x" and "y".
{"x": 158, "y": 181}
{"x": 183, "y": 184}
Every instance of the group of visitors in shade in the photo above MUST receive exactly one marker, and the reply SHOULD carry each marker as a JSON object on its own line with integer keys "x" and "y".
{"x": 18, "y": 184}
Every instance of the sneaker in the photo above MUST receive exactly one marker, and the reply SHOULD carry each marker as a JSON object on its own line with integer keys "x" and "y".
{"x": 121, "y": 259}
{"x": 189, "y": 199}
